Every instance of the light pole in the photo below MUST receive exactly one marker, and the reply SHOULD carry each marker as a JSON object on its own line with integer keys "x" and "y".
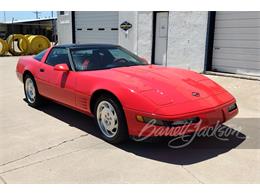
{"x": 4, "y": 17}
{"x": 37, "y": 14}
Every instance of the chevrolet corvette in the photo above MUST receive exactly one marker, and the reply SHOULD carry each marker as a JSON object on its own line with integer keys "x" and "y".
{"x": 122, "y": 91}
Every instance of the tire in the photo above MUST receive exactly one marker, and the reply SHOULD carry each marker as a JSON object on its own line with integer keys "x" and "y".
{"x": 110, "y": 119}
{"x": 31, "y": 93}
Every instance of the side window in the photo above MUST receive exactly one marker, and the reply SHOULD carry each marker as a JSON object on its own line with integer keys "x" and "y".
{"x": 58, "y": 56}
{"x": 82, "y": 58}
{"x": 89, "y": 59}
{"x": 40, "y": 55}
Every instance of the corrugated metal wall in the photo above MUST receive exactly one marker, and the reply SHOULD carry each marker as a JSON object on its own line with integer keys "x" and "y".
{"x": 237, "y": 43}
{"x": 96, "y": 27}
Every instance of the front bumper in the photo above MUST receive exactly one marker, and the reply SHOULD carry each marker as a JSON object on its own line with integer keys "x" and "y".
{"x": 208, "y": 118}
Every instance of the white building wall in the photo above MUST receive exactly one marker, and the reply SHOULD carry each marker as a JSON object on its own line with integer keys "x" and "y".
{"x": 186, "y": 36}
{"x": 128, "y": 40}
{"x": 187, "y": 39}
{"x": 64, "y": 27}
{"x": 139, "y": 37}
{"x": 145, "y": 34}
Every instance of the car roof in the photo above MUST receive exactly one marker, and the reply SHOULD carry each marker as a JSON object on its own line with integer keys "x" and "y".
{"x": 85, "y": 45}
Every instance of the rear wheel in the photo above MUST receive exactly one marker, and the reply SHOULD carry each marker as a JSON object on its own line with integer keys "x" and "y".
{"x": 32, "y": 95}
{"x": 111, "y": 120}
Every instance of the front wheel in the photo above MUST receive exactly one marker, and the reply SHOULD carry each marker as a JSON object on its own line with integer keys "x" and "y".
{"x": 32, "y": 95}
{"x": 111, "y": 119}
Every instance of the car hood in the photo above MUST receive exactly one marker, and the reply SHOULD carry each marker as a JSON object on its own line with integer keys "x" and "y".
{"x": 163, "y": 85}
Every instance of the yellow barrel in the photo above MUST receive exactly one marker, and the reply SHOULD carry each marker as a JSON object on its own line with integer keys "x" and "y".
{"x": 22, "y": 44}
{"x": 37, "y": 43}
{"x": 3, "y": 47}
{"x": 14, "y": 48}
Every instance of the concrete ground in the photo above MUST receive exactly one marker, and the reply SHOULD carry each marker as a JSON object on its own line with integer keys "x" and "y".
{"x": 57, "y": 145}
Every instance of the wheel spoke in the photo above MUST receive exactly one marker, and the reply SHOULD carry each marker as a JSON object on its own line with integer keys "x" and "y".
{"x": 30, "y": 90}
{"x": 107, "y": 119}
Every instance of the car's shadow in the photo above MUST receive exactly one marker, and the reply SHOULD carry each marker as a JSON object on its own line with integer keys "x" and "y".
{"x": 200, "y": 149}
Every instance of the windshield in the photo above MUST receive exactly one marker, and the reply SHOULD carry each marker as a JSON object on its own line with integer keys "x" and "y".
{"x": 99, "y": 58}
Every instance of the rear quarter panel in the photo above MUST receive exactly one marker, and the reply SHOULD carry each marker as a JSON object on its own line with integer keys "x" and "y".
{"x": 28, "y": 63}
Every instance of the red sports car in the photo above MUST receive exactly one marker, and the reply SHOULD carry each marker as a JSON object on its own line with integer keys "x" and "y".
{"x": 123, "y": 92}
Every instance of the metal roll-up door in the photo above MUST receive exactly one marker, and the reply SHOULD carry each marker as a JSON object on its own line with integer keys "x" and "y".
{"x": 96, "y": 27}
{"x": 237, "y": 43}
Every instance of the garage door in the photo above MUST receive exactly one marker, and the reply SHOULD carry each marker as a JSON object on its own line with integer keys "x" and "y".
{"x": 96, "y": 27}
{"x": 237, "y": 43}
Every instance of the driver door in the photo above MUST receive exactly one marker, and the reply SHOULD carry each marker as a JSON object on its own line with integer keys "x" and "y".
{"x": 57, "y": 85}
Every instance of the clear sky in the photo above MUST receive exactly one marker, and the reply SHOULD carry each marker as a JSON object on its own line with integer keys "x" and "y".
{"x": 22, "y": 15}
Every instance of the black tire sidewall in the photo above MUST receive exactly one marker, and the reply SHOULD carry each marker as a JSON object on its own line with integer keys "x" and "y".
{"x": 122, "y": 133}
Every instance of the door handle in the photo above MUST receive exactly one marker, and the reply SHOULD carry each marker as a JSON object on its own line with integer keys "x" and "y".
{"x": 41, "y": 70}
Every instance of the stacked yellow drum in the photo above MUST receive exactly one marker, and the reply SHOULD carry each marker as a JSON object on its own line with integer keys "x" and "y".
{"x": 3, "y": 47}
{"x": 18, "y": 44}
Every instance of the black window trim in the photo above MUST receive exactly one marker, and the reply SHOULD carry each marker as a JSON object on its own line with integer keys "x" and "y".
{"x": 72, "y": 66}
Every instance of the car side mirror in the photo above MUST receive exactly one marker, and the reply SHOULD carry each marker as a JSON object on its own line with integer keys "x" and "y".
{"x": 144, "y": 60}
{"x": 61, "y": 67}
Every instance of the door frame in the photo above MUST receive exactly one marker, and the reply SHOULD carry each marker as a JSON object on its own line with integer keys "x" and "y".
{"x": 154, "y": 35}
{"x": 73, "y": 27}
{"x": 209, "y": 41}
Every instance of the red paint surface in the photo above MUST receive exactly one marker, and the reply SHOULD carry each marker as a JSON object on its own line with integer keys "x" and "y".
{"x": 153, "y": 91}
